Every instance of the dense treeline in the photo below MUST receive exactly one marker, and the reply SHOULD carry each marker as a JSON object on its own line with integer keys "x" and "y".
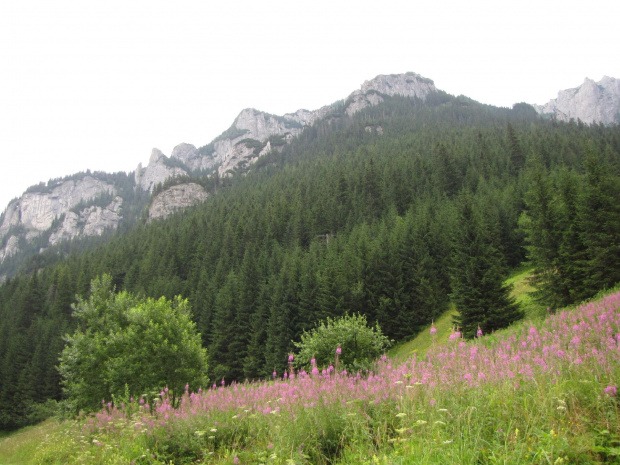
{"x": 359, "y": 214}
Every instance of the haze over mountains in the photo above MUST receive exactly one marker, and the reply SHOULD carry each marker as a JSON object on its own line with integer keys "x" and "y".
{"x": 88, "y": 204}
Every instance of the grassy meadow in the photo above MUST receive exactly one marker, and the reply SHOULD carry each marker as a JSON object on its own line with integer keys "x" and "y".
{"x": 544, "y": 391}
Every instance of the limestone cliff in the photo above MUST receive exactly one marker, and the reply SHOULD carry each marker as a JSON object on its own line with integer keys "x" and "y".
{"x": 592, "y": 102}
{"x": 175, "y": 198}
{"x": 91, "y": 221}
{"x": 36, "y": 211}
{"x": 157, "y": 171}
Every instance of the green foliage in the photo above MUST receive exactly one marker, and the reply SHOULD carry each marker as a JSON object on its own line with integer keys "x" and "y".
{"x": 360, "y": 344}
{"x": 122, "y": 340}
{"x": 477, "y": 274}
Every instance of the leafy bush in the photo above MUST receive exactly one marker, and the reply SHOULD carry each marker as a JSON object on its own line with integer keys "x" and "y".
{"x": 124, "y": 342}
{"x": 357, "y": 343}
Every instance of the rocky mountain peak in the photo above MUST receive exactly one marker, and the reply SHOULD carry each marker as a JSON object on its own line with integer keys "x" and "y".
{"x": 591, "y": 102}
{"x": 407, "y": 85}
{"x": 156, "y": 155}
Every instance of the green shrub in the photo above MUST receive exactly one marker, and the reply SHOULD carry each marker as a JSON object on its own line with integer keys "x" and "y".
{"x": 359, "y": 344}
{"x": 124, "y": 342}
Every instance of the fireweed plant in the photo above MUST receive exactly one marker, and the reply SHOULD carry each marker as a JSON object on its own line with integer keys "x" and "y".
{"x": 535, "y": 393}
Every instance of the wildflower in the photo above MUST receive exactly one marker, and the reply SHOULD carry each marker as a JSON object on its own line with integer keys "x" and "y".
{"x": 291, "y": 357}
{"x": 433, "y": 329}
{"x": 338, "y": 350}
{"x": 611, "y": 390}
{"x": 274, "y": 374}
{"x": 479, "y": 332}
{"x": 236, "y": 460}
{"x": 433, "y": 402}
{"x": 401, "y": 415}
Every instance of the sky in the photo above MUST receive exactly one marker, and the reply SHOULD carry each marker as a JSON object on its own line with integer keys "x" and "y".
{"x": 98, "y": 84}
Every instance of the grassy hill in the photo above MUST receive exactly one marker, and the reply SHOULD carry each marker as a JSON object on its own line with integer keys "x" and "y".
{"x": 542, "y": 391}
{"x": 521, "y": 292}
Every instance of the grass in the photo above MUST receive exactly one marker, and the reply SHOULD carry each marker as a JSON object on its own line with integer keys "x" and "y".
{"x": 521, "y": 290}
{"x": 540, "y": 392}
{"x": 424, "y": 341}
{"x": 20, "y": 446}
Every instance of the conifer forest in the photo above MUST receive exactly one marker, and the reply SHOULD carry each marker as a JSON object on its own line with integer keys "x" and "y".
{"x": 393, "y": 214}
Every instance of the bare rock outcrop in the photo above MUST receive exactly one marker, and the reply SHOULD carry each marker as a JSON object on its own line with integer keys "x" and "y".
{"x": 35, "y": 211}
{"x": 156, "y": 172}
{"x": 91, "y": 221}
{"x": 176, "y": 198}
{"x": 591, "y": 102}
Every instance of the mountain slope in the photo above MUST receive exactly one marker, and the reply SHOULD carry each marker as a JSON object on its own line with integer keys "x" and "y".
{"x": 67, "y": 209}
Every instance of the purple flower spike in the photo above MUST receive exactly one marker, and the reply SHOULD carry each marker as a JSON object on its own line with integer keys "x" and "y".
{"x": 338, "y": 350}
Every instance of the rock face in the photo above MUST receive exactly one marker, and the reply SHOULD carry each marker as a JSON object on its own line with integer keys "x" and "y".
{"x": 10, "y": 248}
{"x": 91, "y": 221}
{"x": 407, "y": 85}
{"x": 189, "y": 155}
{"x": 592, "y": 102}
{"x": 175, "y": 198}
{"x": 36, "y": 211}
{"x": 156, "y": 172}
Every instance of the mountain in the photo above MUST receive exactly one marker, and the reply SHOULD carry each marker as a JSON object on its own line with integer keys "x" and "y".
{"x": 90, "y": 204}
{"x": 591, "y": 102}
{"x": 380, "y": 205}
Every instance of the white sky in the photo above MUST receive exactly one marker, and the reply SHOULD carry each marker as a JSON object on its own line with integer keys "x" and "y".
{"x": 98, "y": 83}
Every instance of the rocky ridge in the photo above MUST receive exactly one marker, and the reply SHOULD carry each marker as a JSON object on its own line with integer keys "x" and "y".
{"x": 51, "y": 209}
{"x": 591, "y": 102}
{"x": 255, "y": 133}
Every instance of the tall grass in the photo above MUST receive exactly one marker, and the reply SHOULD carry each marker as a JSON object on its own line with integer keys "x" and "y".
{"x": 540, "y": 392}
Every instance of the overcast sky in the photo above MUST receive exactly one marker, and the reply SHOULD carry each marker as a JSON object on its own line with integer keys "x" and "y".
{"x": 97, "y": 84}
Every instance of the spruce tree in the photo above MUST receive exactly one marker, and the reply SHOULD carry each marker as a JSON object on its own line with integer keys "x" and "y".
{"x": 478, "y": 291}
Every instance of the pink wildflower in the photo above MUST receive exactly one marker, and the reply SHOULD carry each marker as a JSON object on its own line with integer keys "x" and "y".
{"x": 433, "y": 329}
{"x": 479, "y": 332}
{"x": 611, "y": 390}
{"x": 274, "y": 374}
{"x": 338, "y": 350}
{"x": 291, "y": 357}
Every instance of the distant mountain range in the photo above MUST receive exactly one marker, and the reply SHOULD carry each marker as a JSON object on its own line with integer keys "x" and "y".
{"x": 89, "y": 204}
